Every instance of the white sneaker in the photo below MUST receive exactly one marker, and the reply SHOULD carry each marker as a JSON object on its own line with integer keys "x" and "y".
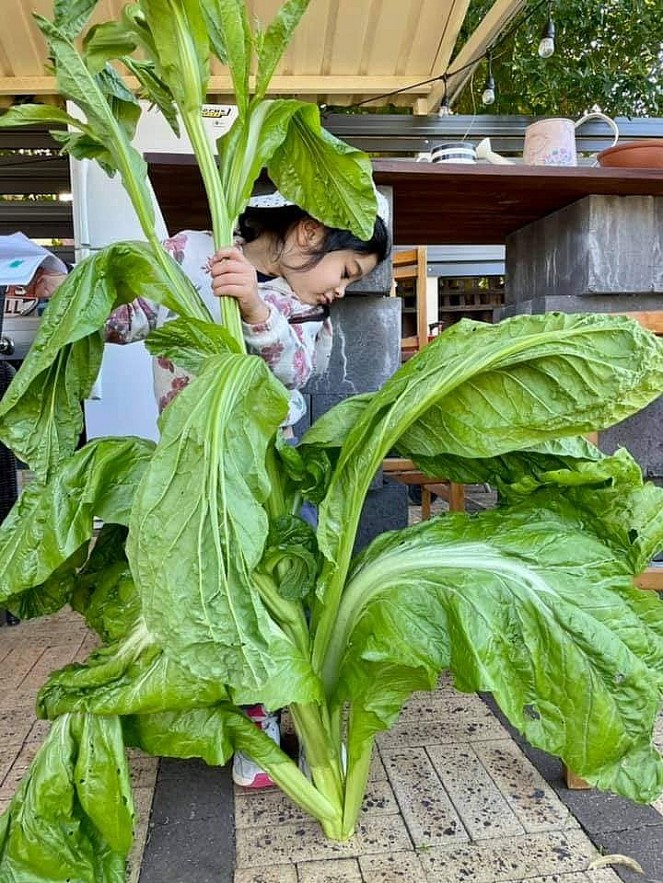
{"x": 246, "y": 772}
{"x": 306, "y": 769}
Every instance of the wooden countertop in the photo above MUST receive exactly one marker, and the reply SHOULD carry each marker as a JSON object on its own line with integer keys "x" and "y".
{"x": 446, "y": 204}
{"x": 451, "y": 204}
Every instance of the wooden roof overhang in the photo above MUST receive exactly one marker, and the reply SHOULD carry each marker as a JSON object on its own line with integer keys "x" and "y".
{"x": 343, "y": 52}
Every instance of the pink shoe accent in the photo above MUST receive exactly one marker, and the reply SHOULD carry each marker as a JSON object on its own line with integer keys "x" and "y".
{"x": 246, "y": 773}
{"x": 261, "y": 780}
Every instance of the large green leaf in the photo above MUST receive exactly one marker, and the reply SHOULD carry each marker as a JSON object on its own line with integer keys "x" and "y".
{"x": 331, "y": 429}
{"x": 629, "y": 512}
{"x": 180, "y": 49}
{"x": 130, "y": 676}
{"x": 487, "y": 390}
{"x": 198, "y": 529}
{"x": 188, "y": 342}
{"x": 72, "y": 816}
{"x": 70, "y": 16}
{"x": 329, "y": 179}
{"x": 76, "y": 82}
{"x": 275, "y": 40}
{"x": 40, "y": 414}
{"x": 523, "y": 602}
{"x": 107, "y": 42}
{"x": 35, "y": 114}
{"x": 155, "y": 90}
{"x": 230, "y": 34}
{"x": 49, "y": 523}
{"x": 199, "y": 732}
{"x": 122, "y": 102}
{"x": 153, "y": 87}
{"x": 250, "y": 144}
{"x": 325, "y": 177}
{"x": 104, "y": 591}
{"x": 53, "y": 593}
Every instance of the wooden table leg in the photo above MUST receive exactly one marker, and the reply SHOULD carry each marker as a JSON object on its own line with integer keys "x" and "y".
{"x": 573, "y": 782}
{"x": 456, "y": 497}
{"x": 425, "y": 502}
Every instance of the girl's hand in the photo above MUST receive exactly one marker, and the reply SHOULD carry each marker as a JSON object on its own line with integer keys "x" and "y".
{"x": 234, "y": 276}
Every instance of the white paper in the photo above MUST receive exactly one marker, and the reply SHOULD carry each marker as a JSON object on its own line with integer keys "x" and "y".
{"x": 20, "y": 258}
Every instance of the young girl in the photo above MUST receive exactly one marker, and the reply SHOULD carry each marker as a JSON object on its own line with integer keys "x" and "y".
{"x": 284, "y": 271}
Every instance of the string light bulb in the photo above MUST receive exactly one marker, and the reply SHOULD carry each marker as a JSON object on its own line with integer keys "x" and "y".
{"x": 488, "y": 94}
{"x": 547, "y": 43}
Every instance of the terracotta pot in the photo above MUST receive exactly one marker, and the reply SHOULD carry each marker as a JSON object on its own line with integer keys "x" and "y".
{"x": 645, "y": 154}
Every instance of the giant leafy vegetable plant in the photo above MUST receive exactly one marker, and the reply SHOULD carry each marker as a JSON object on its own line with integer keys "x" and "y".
{"x": 209, "y": 592}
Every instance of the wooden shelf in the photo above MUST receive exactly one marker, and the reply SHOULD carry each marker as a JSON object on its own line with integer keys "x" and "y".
{"x": 453, "y": 204}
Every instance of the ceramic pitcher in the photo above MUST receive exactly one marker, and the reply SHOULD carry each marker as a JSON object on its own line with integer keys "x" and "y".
{"x": 552, "y": 142}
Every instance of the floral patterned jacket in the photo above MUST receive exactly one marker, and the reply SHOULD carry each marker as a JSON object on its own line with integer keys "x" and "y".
{"x": 292, "y": 351}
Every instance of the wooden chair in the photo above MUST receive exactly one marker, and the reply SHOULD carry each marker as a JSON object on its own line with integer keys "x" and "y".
{"x": 412, "y": 264}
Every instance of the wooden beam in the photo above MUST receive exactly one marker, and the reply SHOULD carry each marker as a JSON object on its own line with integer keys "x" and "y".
{"x": 222, "y": 85}
{"x": 650, "y": 579}
{"x": 496, "y": 20}
{"x": 452, "y": 27}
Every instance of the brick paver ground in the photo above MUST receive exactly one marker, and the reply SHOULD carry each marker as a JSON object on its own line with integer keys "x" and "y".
{"x": 29, "y": 652}
{"x": 452, "y": 797}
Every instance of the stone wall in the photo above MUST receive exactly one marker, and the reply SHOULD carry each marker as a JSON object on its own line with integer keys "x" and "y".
{"x": 602, "y": 254}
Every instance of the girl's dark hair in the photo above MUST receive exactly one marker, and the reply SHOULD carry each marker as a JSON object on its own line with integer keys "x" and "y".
{"x": 278, "y": 222}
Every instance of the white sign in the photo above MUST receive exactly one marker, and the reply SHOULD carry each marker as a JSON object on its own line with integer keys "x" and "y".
{"x": 20, "y": 258}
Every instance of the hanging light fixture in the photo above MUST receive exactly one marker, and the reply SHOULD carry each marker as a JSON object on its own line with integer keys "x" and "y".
{"x": 488, "y": 94}
{"x": 445, "y": 107}
{"x": 547, "y": 44}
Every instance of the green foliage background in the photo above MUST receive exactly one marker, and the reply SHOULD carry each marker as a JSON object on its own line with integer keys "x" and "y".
{"x": 608, "y": 52}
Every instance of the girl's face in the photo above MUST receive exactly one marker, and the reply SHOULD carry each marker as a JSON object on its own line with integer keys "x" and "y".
{"x": 328, "y": 279}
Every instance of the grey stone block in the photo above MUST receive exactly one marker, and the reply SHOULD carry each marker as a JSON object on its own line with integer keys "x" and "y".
{"x": 645, "y": 845}
{"x": 600, "y": 812}
{"x": 600, "y": 245}
{"x": 366, "y": 352}
{"x": 192, "y": 825}
{"x": 641, "y": 435}
{"x": 385, "y": 508}
{"x": 366, "y": 349}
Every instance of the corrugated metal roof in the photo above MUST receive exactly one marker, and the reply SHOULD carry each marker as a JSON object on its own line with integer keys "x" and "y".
{"x": 344, "y": 51}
